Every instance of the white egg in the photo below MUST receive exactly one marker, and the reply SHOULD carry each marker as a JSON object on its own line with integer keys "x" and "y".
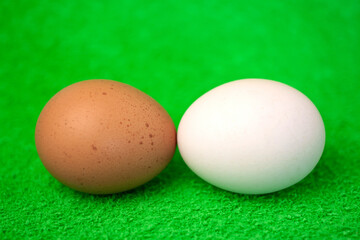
{"x": 252, "y": 136}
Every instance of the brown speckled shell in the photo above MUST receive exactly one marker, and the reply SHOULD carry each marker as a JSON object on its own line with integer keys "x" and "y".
{"x": 103, "y": 136}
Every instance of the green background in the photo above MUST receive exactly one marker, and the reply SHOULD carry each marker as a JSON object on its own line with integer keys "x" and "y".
{"x": 175, "y": 51}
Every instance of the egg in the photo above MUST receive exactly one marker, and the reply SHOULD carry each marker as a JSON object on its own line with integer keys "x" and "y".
{"x": 252, "y": 136}
{"x": 103, "y": 136}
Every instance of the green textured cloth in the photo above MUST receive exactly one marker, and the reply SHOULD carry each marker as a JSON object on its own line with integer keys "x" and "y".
{"x": 175, "y": 51}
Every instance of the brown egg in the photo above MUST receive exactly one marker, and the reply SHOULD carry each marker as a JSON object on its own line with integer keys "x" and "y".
{"x": 103, "y": 136}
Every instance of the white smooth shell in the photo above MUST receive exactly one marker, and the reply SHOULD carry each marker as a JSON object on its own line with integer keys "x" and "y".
{"x": 252, "y": 136}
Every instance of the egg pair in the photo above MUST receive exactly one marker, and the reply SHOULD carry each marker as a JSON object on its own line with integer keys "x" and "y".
{"x": 249, "y": 136}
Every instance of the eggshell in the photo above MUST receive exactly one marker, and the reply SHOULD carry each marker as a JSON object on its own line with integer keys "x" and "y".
{"x": 252, "y": 136}
{"x": 103, "y": 136}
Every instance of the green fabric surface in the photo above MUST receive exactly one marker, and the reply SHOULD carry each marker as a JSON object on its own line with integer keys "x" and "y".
{"x": 175, "y": 51}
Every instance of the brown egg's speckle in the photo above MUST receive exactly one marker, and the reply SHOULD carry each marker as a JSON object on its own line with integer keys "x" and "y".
{"x": 71, "y": 152}
{"x": 67, "y": 155}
